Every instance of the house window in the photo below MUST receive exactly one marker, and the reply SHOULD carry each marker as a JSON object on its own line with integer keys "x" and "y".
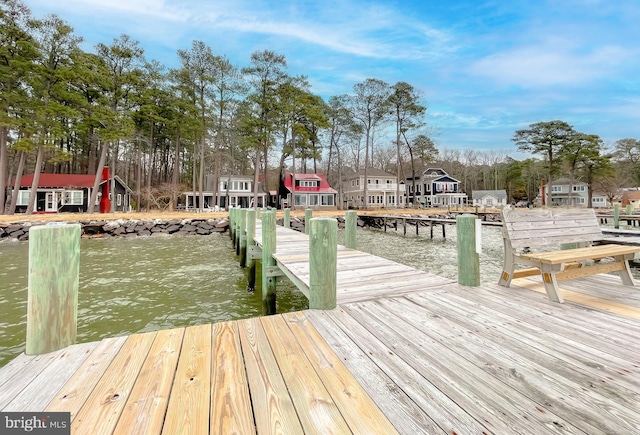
{"x": 368, "y": 181}
{"x": 377, "y": 181}
{"x": 489, "y": 201}
{"x": 23, "y": 197}
{"x": 556, "y": 188}
{"x": 119, "y": 200}
{"x": 578, "y": 188}
{"x": 328, "y": 200}
{"x": 581, "y": 200}
{"x": 301, "y": 200}
{"x": 353, "y": 182}
{"x": 391, "y": 199}
{"x": 389, "y": 182}
{"x": 73, "y": 197}
{"x": 313, "y": 199}
{"x": 358, "y": 182}
{"x": 597, "y": 200}
{"x": 307, "y": 183}
{"x": 224, "y": 185}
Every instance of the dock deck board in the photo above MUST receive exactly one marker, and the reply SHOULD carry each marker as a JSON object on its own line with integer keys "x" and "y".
{"x": 405, "y": 351}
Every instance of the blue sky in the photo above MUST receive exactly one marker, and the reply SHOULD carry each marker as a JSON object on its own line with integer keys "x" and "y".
{"x": 485, "y": 68}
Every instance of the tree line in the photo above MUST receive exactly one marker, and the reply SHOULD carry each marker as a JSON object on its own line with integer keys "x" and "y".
{"x": 162, "y": 130}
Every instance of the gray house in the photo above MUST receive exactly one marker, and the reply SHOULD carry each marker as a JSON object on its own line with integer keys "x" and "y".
{"x": 490, "y": 198}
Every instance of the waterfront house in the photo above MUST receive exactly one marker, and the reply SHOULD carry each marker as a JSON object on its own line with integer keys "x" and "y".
{"x": 576, "y": 194}
{"x": 233, "y": 191}
{"x": 71, "y": 193}
{"x": 632, "y": 198}
{"x": 381, "y": 189}
{"x": 435, "y": 188}
{"x": 489, "y": 198}
{"x": 311, "y": 191}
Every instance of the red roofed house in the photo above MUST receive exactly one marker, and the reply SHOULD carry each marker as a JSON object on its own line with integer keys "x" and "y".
{"x": 311, "y": 191}
{"x": 71, "y": 193}
{"x": 632, "y": 198}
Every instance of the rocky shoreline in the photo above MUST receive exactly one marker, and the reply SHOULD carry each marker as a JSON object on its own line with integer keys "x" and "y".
{"x": 19, "y": 231}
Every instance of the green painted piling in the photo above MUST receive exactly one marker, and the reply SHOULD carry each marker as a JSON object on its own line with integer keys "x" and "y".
{"x": 476, "y": 210}
{"x": 350, "y": 228}
{"x": 308, "y": 214}
{"x": 616, "y": 216}
{"x": 250, "y": 261}
{"x": 287, "y": 218}
{"x": 323, "y": 256}
{"x": 243, "y": 237}
{"x": 230, "y": 217}
{"x": 52, "y": 295}
{"x": 628, "y": 211}
{"x": 268, "y": 249}
{"x": 468, "y": 258}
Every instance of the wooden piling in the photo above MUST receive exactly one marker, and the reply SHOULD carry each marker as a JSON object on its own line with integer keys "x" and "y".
{"x": 350, "y": 228}
{"x": 323, "y": 256}
{"x": 468, "y": 258}
{"x": 308, "y": 214}
{"x": 230, "y": 217}
{"x": 52, "y": 296}
{"x": 616, "y": 216}
{"x": 287, "y": 218}
{"x": 243, "y": 237}
{"x": 250, "y": 261}
{"x": 268, "y": 249}
{"x": 628, "y": 211}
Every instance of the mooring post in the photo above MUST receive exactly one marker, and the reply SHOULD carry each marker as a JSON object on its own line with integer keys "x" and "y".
{"x": 308, "y": 214}
{"x": 616, "y": 216}
{"x": 476, "y": 210}
{"x": 251, "y": 243}
{"x": 230, "y": 217}
{"x": 243, "y": 237}
{"x": 350, "y": 228}
{"x": 52, "y": 295}
{"x": 323, "y": 258}
{"x": 628, "y": 210}
{"x": 468, "y": 255}
{"x": 404, "y": 226}
{"x": 287, "y": 218}
{"x": 268, "y": 249}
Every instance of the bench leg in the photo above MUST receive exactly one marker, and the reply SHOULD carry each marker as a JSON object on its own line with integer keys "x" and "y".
{"x": 551, "y": 284}
{"x": 507, "y": 270}
{"x": 625, "y": 274}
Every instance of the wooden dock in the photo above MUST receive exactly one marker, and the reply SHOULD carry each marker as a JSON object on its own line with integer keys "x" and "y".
{"x": 396, "y": 355}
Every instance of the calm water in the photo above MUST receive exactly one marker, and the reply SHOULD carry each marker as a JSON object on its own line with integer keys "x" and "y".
{"x": 144, "y": 284}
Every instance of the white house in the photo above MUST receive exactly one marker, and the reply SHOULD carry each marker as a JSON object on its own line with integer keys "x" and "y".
{"x": 233, "y": 191}
{"x": 381, "y": 189}
{"x": 577, "y": 196}
{"x": 489, "y": 198}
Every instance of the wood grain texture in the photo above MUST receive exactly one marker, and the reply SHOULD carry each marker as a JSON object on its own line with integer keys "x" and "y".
{"x": 316, "y": 409}
{"x": 146, "y": 406}
{"x": 52, "y": 297}
{"x": 231, "y": 411}
{"x": 273, "y": 409}
{"x": 75, "y": 392}
{"x": 27, "y": 373}
{"x": 360, "y": 412}
{"x": 188, "y": 409}
{"x": 54, "y": 376}
{"x": 102, "y": 409}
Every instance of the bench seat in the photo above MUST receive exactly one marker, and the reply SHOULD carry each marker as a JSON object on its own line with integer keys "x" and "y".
{"x": 534, "y": 229}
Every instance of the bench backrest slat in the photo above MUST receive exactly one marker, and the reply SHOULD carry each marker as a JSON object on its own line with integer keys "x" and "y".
{"x": 533, "y": 228}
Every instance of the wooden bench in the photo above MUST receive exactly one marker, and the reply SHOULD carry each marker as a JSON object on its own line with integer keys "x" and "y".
{"x": 525, "y": 232}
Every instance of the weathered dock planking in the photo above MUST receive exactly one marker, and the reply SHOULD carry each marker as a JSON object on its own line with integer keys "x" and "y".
{"x": 448, "y": 359}
{"x": 359, "y": 275}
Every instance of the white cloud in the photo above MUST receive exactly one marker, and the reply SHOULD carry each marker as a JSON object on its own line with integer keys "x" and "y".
{"x": 550, "y": 64}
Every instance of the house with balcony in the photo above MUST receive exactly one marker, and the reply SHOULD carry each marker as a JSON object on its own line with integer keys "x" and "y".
{"x": 381, "y": 190}
{"x": 309, "y": 190}
{"x": 489, "y": 198}
{"x": 233, "y": 191}
{"x": 565, "y": 193}
{"x": 434, "y": 188}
